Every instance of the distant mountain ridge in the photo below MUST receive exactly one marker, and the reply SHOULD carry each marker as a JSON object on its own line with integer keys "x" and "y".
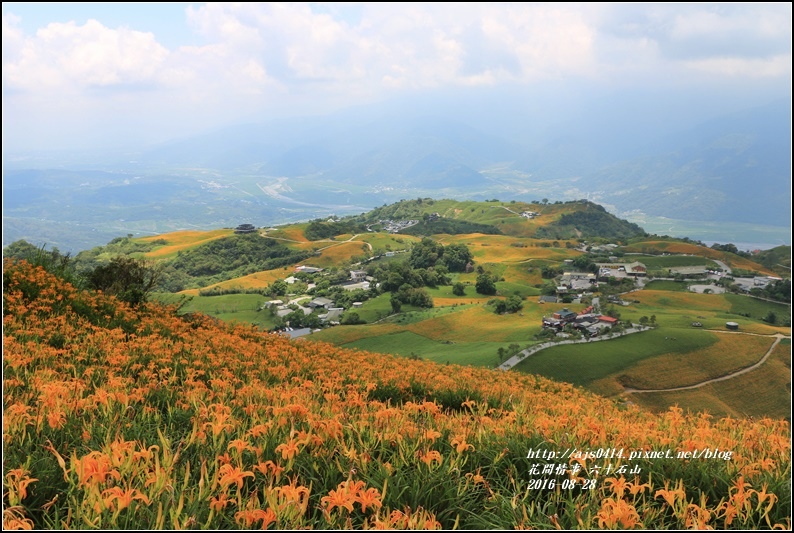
{"x": 736, "y": 167}
{"x": 732, "y": 169}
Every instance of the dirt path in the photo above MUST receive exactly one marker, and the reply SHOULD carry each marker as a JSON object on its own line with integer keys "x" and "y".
{"x": 337, "y": 243}
{"x": 778, "y": 338}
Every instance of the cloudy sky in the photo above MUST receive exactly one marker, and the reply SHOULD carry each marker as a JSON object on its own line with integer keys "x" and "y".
{"x": 79, "y": 74}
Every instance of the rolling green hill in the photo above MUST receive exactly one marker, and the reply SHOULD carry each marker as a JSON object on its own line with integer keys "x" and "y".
{"x": 522, "y": 248}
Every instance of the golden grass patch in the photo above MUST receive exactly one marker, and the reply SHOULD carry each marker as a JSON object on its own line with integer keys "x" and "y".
{"x": 336, "y": 254}
{"x": 294, "y": 233}
{"x": 183, "y": 240}
{"x": 506, "y": 248}
{"x": 729, "y": 354}
{"x": 257, "y": 280}
{"x": 473, "y": 324}
{"x": 770, "y": 385}
{"x": 520, "y": 274}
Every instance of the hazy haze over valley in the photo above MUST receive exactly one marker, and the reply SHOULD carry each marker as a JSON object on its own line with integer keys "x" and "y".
{"x": 148, "y": 118}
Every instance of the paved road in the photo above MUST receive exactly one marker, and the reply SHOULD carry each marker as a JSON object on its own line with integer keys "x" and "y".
{"x": 778, "y": 338}
{"x": 523, "y": 354}
{"x": 723, "y": 266}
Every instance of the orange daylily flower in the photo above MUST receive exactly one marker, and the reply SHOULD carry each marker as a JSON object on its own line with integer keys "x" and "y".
{"x": 219, "y": 503}
{"x": 118, "y": 498}
{"x": 14, "y": 518}
{"x": 369, "y": 498}
{"x": 461, "y": 445}
{"x": 672, "y": 495}
{"x": 338, "y": 498}
{"x": 230, "y": 474}
{"x": 288, "y": 450}
{"x": 95, "y": 467}
{"x": 247, "y": 517}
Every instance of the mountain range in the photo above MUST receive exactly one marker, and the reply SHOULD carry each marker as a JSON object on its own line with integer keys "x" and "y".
{"x": 733, "y": 169}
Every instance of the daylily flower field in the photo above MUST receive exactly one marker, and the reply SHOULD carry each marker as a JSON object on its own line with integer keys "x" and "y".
{"x": 123, "y": 418}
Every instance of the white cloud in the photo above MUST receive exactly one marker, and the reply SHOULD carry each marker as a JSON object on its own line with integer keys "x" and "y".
{"x": 63, "y": 55}
{"x": 255, "y": 57}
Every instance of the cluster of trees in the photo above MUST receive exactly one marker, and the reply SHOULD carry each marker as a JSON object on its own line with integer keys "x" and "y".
{"x": 730, "y": 247}
{"x": 778, "y": 290}
{"x": 297, "y": 319}
{"x": 593, "y": 221}
{"x": 319, "y": 229}
{"x": 236, "y": 255}
{"x": 505, "y": 353}
{"x": 429, "y": 253}
{"x": 485, "y": 284}
{"x": 512, "y": 304}
{"x": 395, "y": 275}
{"x": 402, "y": 210}
{"x": 408, "y": 295}
{"x": 130, "y": 279}
{"x": 450, "y": 226}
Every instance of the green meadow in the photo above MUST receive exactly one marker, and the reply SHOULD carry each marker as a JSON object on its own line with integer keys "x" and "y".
{"x": 409, "y": 344}
{"x": 582, "y": 364}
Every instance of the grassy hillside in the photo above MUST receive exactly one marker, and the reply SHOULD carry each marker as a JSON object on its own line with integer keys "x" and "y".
{"x": 120, "y": 418}
{"x": 674, "y": 246}
{"x": 562, "y": 220}
{"x": 777, "y": 259}
{"x": 464, "y": 329}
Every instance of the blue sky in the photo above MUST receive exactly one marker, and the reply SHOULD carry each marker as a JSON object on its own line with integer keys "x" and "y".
{"x": 78, "y": 75}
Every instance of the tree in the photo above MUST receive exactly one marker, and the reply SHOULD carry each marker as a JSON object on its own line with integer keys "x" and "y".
{"x": 500, "y": 307}
{"x": 514, "y": 304}
{"x": 129, "y": 279}
{"x": 771, "y": 318}
{"x": 351, "y": 318}
{"x": 485, "y": 285}
{"x": 459, "y": 289}
{"x": 549, "y": 272}
{"x": 396, "y": 304}
{"x": 456, "y": 256}
{"x": 278, "y": 288}
{"x": 426, "y": 253}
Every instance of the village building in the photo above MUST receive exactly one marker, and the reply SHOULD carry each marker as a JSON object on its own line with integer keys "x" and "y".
{"x": 321, "y": 302}
{"x": 358, "y": 275}
{"x": 352, "y": 286}
{"x": 333, "y": 314}
{"x": 608, "y": 320}
{"x": 635, "y": 269}
{"x": 565, "y": 315}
